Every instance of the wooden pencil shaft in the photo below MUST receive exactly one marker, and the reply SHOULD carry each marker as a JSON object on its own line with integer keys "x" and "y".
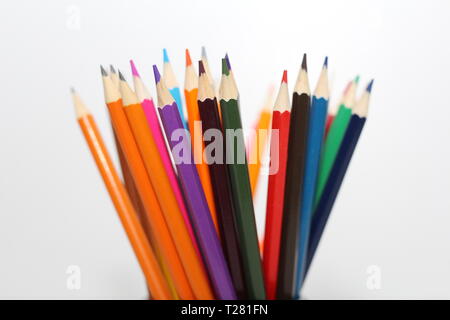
{"x": 242, "y": 196}
{"x": 125, "y": 210}
{"x": 333, "y": 185}
{"x": 298, "y": 133}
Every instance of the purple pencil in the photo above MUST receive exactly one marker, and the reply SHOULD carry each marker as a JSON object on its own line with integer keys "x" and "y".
{"x": 193, "y": 192}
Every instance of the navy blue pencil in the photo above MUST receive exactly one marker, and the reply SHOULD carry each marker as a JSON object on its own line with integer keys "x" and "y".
{"x": 326, "y": 202}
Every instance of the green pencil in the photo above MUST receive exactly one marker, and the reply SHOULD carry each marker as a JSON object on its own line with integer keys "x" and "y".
{"x": 240, "y": 183}
{"x": 334, "y": 138}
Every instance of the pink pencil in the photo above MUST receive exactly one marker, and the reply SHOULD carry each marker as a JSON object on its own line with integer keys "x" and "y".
{"x": 150, "y": 113}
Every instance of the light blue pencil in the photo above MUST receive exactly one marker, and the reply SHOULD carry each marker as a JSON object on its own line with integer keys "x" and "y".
{"x": 172, "y": 84}
{"x": 316, "y": 129}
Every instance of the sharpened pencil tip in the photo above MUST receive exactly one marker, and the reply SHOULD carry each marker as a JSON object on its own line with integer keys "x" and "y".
{"x": 356, "y": 81}
{"x": 103, "y": 71}
{"x": 134, "y": 71}
{"x": 72, "y": 90}
{"x": 228, "y": 61}
{"x": 284, "y": 79}
{"x": 111, "y": 69}
{"x": 156, "y": 73}
{"x": 201, "y": 68}
{"x": 325, "y": 63}
{"x": 188, "y": 58}
{"x": 121, "y": 77}
{"x": 204, "y": 56}
{"x": 165, "y": 55}
{"x": 304, "y": 64}
{"x": 369, "y": 86}
{"x": 225, "y": 69}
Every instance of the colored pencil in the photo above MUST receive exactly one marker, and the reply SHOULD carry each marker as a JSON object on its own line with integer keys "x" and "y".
{"x": 240, "y": 182}
{"x": 316, "y": 130}
{"x": 275, "y": 193}
{"x": 190, "y": 94}
{"x": 172, "y": 84}
{"x": 195, "y": 197}
{"x": 337, "y": 174}
{"x": 155, "y": 169}
{"x": 209, "y": 113}
{"x": 233, "y": 80}
{"x": 159, "y": 227}
{"x": 298, "y": 134}
{"x": 144, "y": 253}
{"x": 148, "y": 106}
{"x": 334, "y": 139}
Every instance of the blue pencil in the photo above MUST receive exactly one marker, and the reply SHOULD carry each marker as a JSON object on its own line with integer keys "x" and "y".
{"x": 172, "y": 84}
{"x": 326, "y": 202}
{"x": 316, "y": 129}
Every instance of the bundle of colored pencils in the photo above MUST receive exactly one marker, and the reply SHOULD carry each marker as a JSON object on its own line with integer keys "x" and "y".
{"x": 185, "y": 193}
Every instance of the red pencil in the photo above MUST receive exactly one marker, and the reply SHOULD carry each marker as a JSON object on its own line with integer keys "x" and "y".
{"x": 275, "y": 195}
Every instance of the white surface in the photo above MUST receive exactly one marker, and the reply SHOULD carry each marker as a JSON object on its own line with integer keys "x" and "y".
{"x": 393, "y": 210}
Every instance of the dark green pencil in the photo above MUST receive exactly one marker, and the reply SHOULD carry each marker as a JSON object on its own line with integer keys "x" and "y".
{"x": 235, "y": 158}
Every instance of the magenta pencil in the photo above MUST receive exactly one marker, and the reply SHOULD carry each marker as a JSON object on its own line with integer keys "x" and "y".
{"x": 200, "y": 215}
{"x": 152, "y": 119}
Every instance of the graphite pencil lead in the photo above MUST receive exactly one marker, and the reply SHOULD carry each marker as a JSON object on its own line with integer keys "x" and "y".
{"x": 111, "y": 69}
{"x": 325, "y": 63}
{"x": 72, "y": 90}
{"x": 188, "y": 58}
{"x": 284, "y": 79}
{"x": 201, "y": 68}
{"x": 304, "y": 64}
{"x": 369, "y": 86}
{"x": 157, "y": 74}
{"x": 121, "y": 77}
{"x": 228, "y": 61}
{"x": 134, "y": 71}
{"x": 165, "y": 55}
{"x": 103, "y": 71}
{"x": 204, "y": 56}
{"x": 225, "y": 69}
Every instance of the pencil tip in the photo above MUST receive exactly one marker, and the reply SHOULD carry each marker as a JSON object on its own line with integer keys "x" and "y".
{"x": 228, "y": 61}
{"x": 325, "y": 63}
{"x": 284, "y": 79}
{"x": 356, "y": 81}
{"x": 121, "y": 77}
{"x": 225, "y": 69}
{"x": 111, "y": 69}
{"x": 103, "y": 71}
{"x": 188, "y": 58}
{"x": 134, "y": 71}
{"x": 204, "y": 56}
{"x": 304, "y": 65}
{"x": 165, "y": 55}
{"x": 201, "y": 67}
{"x": 156, "y": 73}
{"x": 72, "y": 90}
{"x": 369, "y": 86}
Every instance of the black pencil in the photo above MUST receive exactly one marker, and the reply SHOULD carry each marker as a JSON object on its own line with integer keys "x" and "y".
{"x": 298, "y": 133}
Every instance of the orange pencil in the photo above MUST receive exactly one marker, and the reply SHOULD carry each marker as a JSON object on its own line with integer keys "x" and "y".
{"x": 144, "y": 253}
{"x": 159, "y": 227}
{"x": 259, "y": 142}
{"x": 190, "y": 94}
{"x": 154, "y": 165}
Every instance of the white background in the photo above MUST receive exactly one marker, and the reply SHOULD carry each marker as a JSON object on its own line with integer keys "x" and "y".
{"x": 393, "y": 209}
